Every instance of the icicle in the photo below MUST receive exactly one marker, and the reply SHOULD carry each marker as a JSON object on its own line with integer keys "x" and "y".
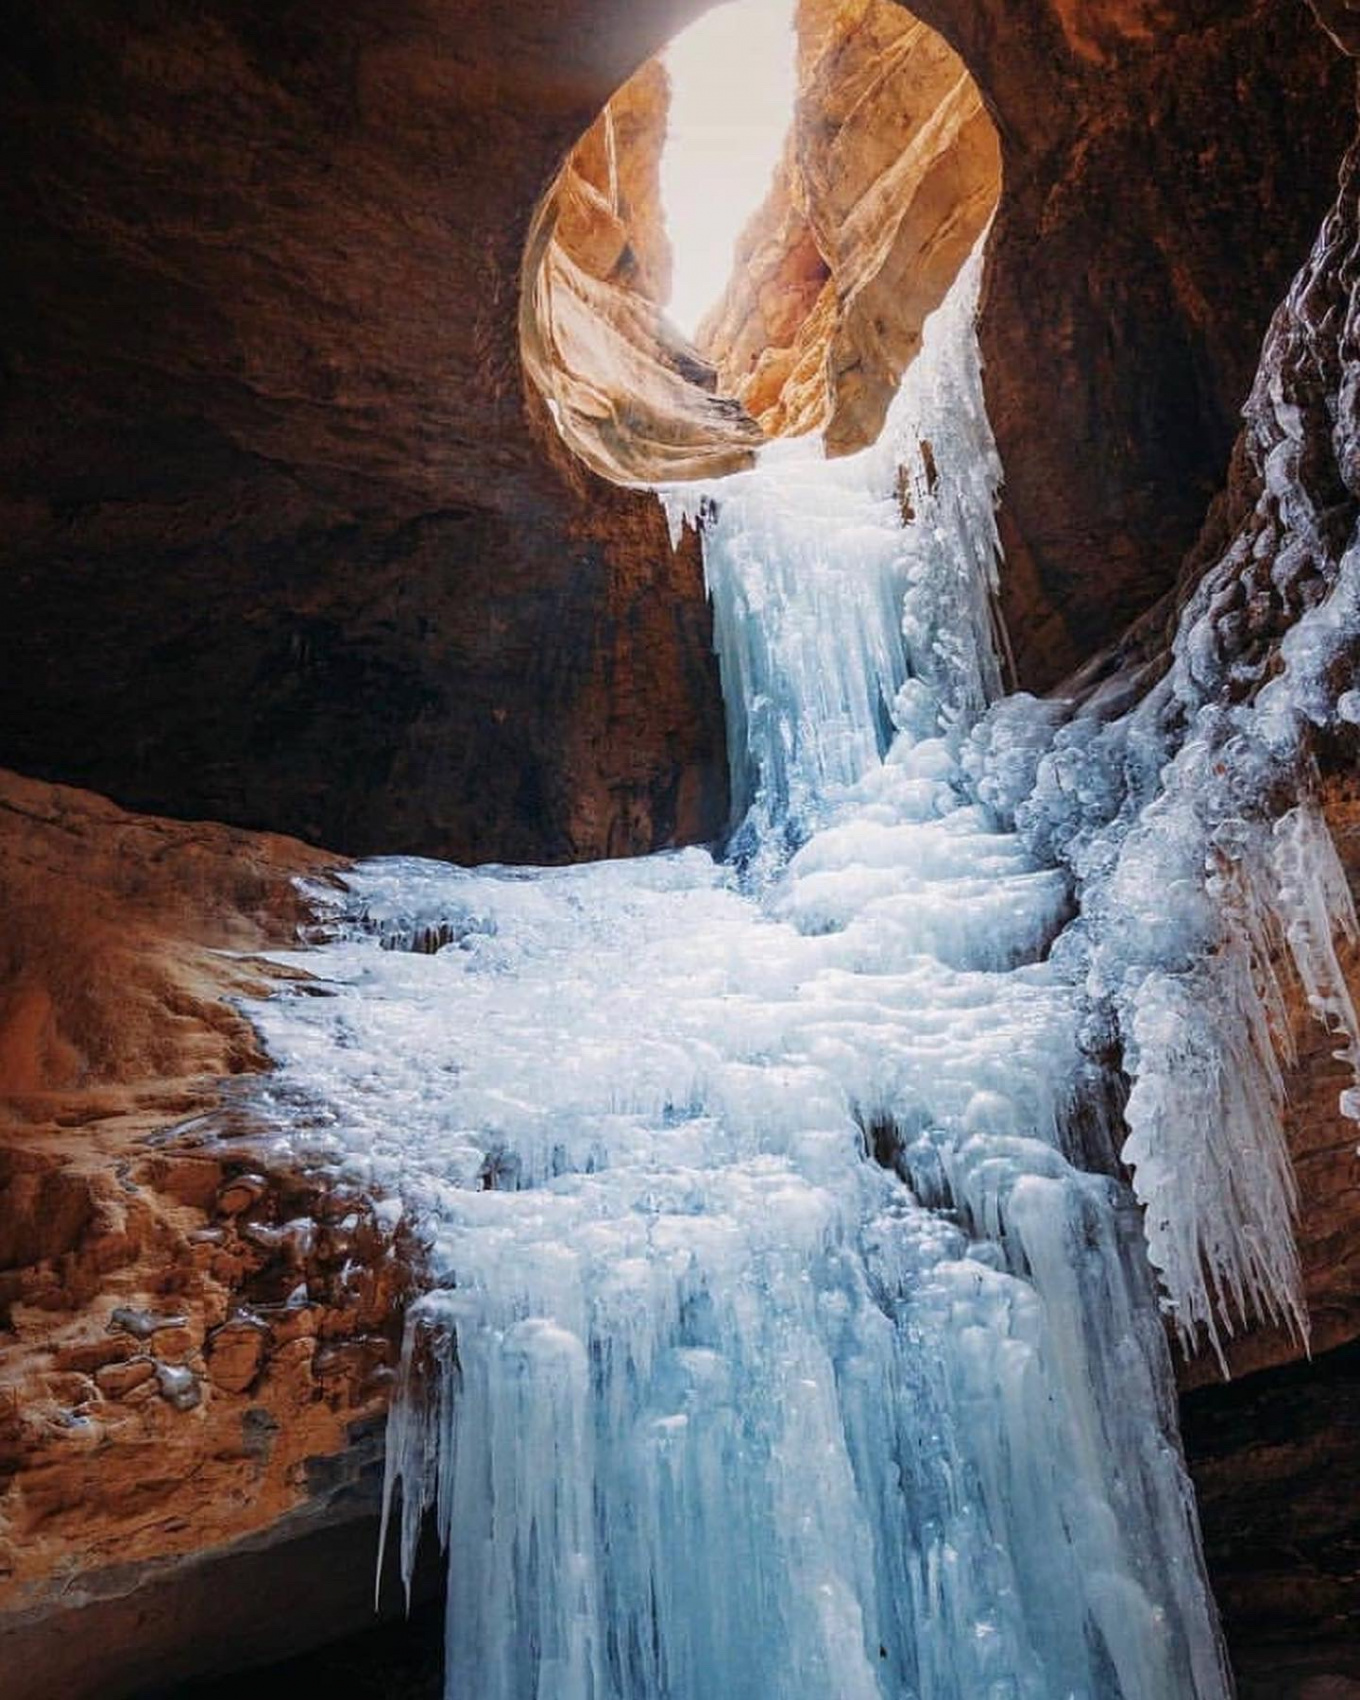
{"x": 1315, "y": 906}
{"x": 684, "y": 506}
{"x": 834, "y": 583}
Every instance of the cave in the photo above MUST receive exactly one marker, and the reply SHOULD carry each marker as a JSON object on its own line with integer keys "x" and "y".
{"x": 677, "y": 987}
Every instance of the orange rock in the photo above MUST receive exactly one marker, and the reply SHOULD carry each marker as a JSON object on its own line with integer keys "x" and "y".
{"x": 117, "y": 1380}
{"x": 236, "y": 1352}
{"x": 892, "y": 169}
{"x": 132, "y": 1363}
{"x": 239, "y": 1193}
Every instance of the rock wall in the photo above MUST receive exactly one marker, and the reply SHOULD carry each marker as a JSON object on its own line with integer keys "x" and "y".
{"x": 633, "y": 400}
{"x": 284, "y": 543}
{"x": 287, "y": 543}
{"x": 1166, "y": 166}
{"x": 1273, "y": 1452}
{"x": 196, "y": 1340}
{"x": 891, "y": 171}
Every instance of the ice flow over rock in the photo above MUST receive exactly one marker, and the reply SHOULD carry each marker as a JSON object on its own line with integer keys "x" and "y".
{"x": 784, "y": 1341}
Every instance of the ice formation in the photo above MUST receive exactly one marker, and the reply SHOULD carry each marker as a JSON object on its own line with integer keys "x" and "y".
{"x": 1196, "y": 890}
{"x": 782, "y": 1340}
{"x": 1203, "y": 869}
{"x": 837, "y": 625}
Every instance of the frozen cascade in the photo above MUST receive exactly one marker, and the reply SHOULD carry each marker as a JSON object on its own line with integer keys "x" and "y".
{"x": 1205, "y": 874}
{"x": 826, "y": 604}
{"x": 780, "y": 1346}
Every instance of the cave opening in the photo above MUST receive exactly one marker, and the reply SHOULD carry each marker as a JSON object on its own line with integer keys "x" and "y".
{"x": 746, "y": 243}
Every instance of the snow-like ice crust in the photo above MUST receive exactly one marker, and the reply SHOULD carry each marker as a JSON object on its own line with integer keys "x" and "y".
{"x": 707, "y": 1401}
{"x": 1204, "y": 870}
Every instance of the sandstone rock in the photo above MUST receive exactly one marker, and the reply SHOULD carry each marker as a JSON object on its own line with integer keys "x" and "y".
{"x": 236, "y": 1353}
{"x": 117, "y": 1380}
{"x": 1274, "y": 1459}
{"x": 892, "y": 170}
{"x": 285, "y": 540}
{"x": 239, "y": 1193}
{"x": 131, "y": 1357}
{"x": 632, "y": 398}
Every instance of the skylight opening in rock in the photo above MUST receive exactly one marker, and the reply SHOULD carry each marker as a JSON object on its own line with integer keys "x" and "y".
{"x": 733, "y": 81}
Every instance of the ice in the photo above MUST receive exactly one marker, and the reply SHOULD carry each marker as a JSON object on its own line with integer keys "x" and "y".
{"x": 778, "y": 1344}
{"x": 1198, "y": 898}
{"x": 837, "y": 625}
{"x": 1205, "y": 878}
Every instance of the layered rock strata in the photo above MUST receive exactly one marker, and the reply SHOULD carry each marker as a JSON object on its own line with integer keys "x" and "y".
{"x": 891, "y": 171}
{"x": 634, "y": 400}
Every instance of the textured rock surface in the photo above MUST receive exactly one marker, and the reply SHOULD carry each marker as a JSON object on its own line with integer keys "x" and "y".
{"x": 1273, "y": 1453}
{"x": 195, "y": 1340}
{"x": 1276, "y": 1463}
{"x": 891, "y": 171}
{"x": 1147, "y": 149}
{"x": 635, "y": 401}
{"x": 284, "y": 542}
{"x": 140, "y": 1631}
{"x": 1269, "y": 550}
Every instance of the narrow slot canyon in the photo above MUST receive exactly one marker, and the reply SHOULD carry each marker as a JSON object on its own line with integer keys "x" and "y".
{"x": 679, "y": 955}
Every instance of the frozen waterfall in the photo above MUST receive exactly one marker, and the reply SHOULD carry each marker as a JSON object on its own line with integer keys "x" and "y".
{"x": 785, "y": 1340}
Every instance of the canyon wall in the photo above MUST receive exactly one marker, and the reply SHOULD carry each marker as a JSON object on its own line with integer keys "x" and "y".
{"x": 633, "y": 400}
{"x": 891, "y": 171}
{"x": 286, "y": 540}
{"x": 1273, "y": 1452}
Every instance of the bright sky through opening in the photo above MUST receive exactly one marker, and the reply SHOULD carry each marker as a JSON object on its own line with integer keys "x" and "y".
{"x": 732, "y": 89}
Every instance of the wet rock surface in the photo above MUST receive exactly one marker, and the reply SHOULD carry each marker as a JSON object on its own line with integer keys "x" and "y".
{"x": 283, "y": 1337}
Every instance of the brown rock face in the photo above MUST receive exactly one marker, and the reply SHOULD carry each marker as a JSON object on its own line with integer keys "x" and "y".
{"x": 176, "y": 1306}
{"x": 1274, "y": 1459}
{"x": 1146, "y": 150}
{"x": 1273, "y": 1453}
{"x": 632, "y": 398}
{"x": 283, "y": 542}
{"x": 892, "y": 170}
{"x": 108, "y": 974}
{"x": 286, "y": 544}
{"x": 1271, "y": 548}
